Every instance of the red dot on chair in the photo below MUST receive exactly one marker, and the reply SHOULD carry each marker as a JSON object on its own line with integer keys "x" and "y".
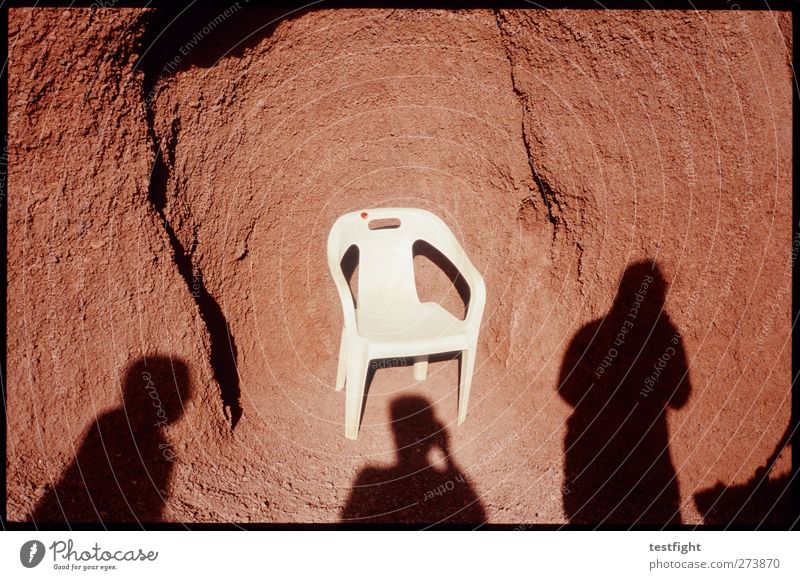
{"x": 364, "y": 214}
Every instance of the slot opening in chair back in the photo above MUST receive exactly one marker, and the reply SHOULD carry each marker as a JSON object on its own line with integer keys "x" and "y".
{"x": 384, "y": 224}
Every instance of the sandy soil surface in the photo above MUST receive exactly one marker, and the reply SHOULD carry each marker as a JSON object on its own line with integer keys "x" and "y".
{"x": 173, "y": 328}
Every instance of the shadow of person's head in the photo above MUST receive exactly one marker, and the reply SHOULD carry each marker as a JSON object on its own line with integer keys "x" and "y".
{"x": 641, "y": 299}
{"x": 416, "y": 430}
{"x": 642, "y": 282}
{"x": 155, "y": 390}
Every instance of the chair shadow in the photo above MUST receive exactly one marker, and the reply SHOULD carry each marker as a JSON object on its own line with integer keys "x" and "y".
{"x": 414, "y": 491}
{"x": 621, "y": 374}
{"x": 761, "y": 502}
{"x": 123, "y": 467}
{"x": 440, "y": 261}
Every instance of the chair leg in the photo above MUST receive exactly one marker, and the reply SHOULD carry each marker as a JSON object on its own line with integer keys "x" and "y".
{"x": 341, "y": 370}
{"x": 420, "y": 368}
{"x": 357, "y": 364}
{"x": 467, "y": 366}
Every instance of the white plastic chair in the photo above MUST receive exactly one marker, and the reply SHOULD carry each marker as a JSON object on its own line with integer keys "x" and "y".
{"x": 390, "y": 321}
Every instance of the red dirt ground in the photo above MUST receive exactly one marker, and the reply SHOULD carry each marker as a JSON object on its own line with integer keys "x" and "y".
{"x": 165, "y": 188}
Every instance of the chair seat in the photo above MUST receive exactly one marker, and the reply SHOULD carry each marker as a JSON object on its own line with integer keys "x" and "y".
{"x": 417, "y": 327}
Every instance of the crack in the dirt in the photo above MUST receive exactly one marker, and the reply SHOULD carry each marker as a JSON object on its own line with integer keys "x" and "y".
{"x": 223, "y": 355}
{"x": 167, "y": 35}
{"x": 545, "y": 191}
{"x": 223, "y": 347}
{"x": 580, "y": 266}
{"x": 549, "y": 197}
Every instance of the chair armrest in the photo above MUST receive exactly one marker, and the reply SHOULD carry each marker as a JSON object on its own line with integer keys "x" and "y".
{"x": 453, "y": 251}
{"x": 346, "y": 298}
{"x": 477, "y": 294}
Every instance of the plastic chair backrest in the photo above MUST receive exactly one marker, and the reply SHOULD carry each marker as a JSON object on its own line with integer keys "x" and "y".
{"x": 384, "y": 238}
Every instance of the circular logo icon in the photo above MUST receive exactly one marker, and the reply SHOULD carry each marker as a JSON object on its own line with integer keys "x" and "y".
{"x": 31, "y": 553}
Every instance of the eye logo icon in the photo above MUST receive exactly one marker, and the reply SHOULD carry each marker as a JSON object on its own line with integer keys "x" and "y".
{"x": 31, "y": 553}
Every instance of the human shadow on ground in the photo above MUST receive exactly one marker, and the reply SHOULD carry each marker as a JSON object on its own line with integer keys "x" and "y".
{"x": 621, "y": 374}
{"x": 414, "y": 490}
{"x": 122, "y": 471}
{"x": 760, "y": 502}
